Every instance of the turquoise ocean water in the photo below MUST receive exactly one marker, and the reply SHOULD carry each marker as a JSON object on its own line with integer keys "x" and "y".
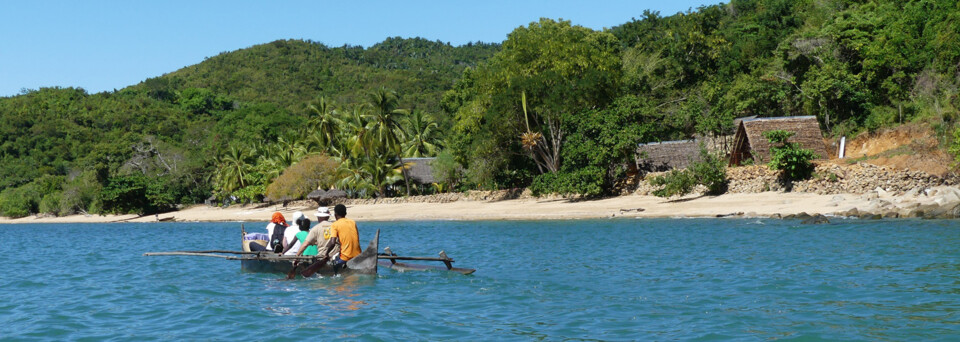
{"x": 620, "y": 279}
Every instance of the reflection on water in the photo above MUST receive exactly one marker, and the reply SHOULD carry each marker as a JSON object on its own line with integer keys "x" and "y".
{"x": 340, "y": 293}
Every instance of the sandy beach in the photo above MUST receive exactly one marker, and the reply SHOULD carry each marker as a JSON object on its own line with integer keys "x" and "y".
{"x": 762, "y": 204}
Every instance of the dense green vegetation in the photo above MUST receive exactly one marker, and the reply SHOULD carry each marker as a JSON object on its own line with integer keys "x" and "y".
{"x": 710, "y": 170}
{"x": 857, "y": 66}
{"x": 789, "y": 158}
{"x": 170, "y": 140}
{"x": 556, "y": 107}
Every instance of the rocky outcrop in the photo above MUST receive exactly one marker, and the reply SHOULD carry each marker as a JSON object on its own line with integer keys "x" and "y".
{"x": 831, "y": 179}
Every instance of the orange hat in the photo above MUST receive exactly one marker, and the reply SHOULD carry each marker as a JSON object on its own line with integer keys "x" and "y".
{"x": 278, "y": 219}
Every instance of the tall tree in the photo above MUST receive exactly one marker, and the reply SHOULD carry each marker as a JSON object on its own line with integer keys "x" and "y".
{"x": 546, "y": 70}
{"x": 385, "y": 122}
{"x": 234, "y": 168}
{"x": 421, "y": 135}
{"x": 324, "y": 122}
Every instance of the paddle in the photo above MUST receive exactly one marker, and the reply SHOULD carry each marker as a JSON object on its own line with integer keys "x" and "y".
{"x": 293, "y": 271}
{"x": 315, "y": 267}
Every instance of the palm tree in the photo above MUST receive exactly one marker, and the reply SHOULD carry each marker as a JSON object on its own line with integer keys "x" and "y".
{"x": 325, "y": 123}
{"x": 233, "y": 169}
{"x": 420, "y": 135}
{"x": 381, "y": 173}
{"x": 354, "y": 139}
{"x": 386, "y": 123}
{"x": 281, "y": 155}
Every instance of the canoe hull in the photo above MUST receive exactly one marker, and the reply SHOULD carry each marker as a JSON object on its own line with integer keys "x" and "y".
{"x": 365, "y": 263}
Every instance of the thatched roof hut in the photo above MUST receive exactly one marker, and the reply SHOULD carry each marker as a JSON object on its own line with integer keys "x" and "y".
{"x": 667, "y": 155}
{"x": 420, "y": 170}
{"x": 326, "y": 196}
{"x": 749, "y": 143}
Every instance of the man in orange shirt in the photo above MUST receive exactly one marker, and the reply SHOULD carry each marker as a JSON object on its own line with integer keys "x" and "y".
{"x": 343, "y": 231}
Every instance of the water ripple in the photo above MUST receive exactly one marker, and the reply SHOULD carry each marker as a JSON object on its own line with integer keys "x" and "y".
{"x": 585, "y": 280}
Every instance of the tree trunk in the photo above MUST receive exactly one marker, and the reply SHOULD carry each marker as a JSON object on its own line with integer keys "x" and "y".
{"x": 403, "y": 171}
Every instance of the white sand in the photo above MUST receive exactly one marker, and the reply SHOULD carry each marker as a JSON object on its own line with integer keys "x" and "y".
{"x": 754, "y": 204}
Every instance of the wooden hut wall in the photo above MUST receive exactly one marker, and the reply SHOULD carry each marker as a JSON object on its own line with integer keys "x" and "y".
{"x": 806, "y": 129}
{"x": 667, "y": 155}
{"x": 740, "y": 150}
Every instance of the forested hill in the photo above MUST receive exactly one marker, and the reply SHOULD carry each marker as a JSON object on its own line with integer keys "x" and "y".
{"x": 54, "y": 139}
{"x": 290, "y": 73}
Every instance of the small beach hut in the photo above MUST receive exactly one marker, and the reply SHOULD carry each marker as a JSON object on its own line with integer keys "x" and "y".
{"x": 749, "y": 143}
{"x": 667, "y": 155}
{"x": 420, "y": 170}
{"x": 324, "y": 197}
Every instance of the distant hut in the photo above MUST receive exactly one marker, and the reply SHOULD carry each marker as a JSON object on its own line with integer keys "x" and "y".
{"x": 749, "y": 143}
{"x": 420, "y": 173}
{"x": 667, "y": 155}
{"x": 326, "y": 197}
{"x": 420, "y": 170}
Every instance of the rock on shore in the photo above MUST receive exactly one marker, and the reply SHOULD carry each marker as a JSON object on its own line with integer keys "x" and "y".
{"x": 888, "y": 192}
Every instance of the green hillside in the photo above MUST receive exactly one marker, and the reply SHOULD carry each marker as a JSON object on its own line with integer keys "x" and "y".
{"x": 74, "y": 142}
{"x": 290, "y": 73}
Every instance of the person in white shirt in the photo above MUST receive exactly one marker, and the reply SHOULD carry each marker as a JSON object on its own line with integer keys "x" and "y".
{"x": 290, "y": 242}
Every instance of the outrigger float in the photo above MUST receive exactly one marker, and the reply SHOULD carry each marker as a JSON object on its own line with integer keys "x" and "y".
{"x": 365, "y": 263}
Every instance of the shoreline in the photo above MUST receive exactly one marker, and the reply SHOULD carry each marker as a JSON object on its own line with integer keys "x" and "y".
{"x": 940, "y": 202}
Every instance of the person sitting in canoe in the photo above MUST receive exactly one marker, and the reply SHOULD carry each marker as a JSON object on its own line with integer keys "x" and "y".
{"x": 303, "y": 225}
{"x": 343, "y": 231}
{"x": 277, "y": 220}
{"x": 318, "y": 236}
{"x": 291, "y": 243}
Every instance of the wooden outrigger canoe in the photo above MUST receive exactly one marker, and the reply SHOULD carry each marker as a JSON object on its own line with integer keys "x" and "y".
{"x": 365, "y": 263}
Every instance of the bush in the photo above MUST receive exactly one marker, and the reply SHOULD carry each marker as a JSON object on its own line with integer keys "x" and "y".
{"x": 249, "y": 193}
{"x": 587, "y": 182}
{"x": 20, "y": 201}
{"x": 792, "y": 161}
{"x": 80, "y": 194}
{"x": 124, "y": 194}
{"x": 675, "y": 182}
{"x": 301, "y": 178}
{"x": 710, "y": 171}
{"x": 955, "y": 147}
{"x": 50, "y": 204}
{"x": 446, "y": 170}
{"x": 136, "y": 194}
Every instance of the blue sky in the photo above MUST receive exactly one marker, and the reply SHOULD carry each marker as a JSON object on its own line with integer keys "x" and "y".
{"x": 106, "y": 45}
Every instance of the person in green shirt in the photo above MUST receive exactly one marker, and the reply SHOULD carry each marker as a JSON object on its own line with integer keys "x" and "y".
{"x": 304, "y": 225}
{"x": 319, "y": 235}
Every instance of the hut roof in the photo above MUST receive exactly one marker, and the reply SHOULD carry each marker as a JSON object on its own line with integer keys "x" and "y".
{"x": 749, "y": 141}
{"x": 326, "y": 196}
{"x": 421, "y": 170}
{"x": 667, "y": 155}
{"x": 315, "y": 194}
{"x": 737, "y": 121}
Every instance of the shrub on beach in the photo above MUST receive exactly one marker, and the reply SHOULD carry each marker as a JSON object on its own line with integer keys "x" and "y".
{"x": 792, "y": 161}
{"x": 709, "y": 171}
{"x": 20, "y": 201}
{"x": 303, "y": 177}
{"x": 587, "y": 182}
{"x": 675, "y": 182}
